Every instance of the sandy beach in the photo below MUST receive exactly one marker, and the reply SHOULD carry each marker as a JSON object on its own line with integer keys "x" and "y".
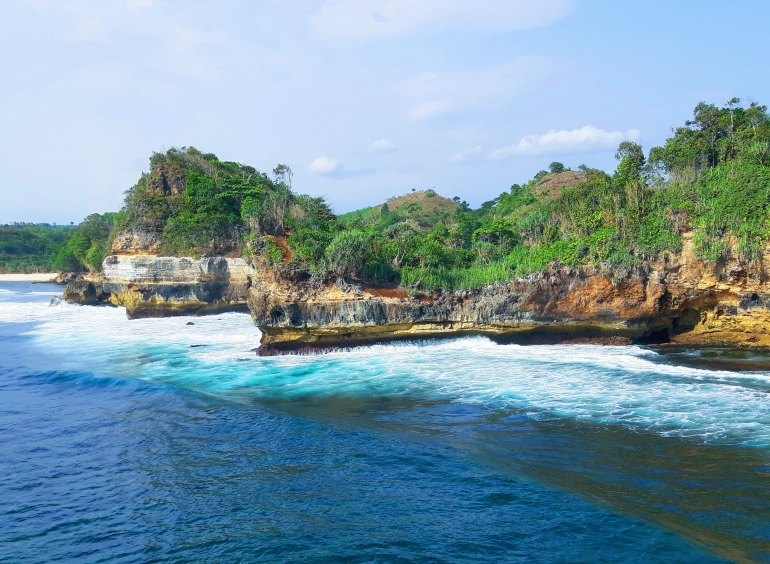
{"x": 37, "y": 277}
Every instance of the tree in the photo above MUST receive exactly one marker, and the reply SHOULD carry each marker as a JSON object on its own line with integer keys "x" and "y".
{"x": 268, "y": 213}
{"x": 87, "y": 245}
{"x": 399, "y": 235}
{"x": 498, "y": 232}
{"x": 732, "y": 104}
{"x": 708, "y": 121}
{"x": 556, "y": 167}
{"x": 429, "y": 253}
{"x": 631, "y": 157}
{"x": 760, "y": 150}
{"x": 283, "y": 175}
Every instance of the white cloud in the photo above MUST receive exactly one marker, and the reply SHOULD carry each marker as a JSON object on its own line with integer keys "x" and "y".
{"x": 467, "y": 89}
{"x": 429, "y": 109}
{"x": 361, "y": 21}
{"x": 382, "y": 146}
{"x": 587, "y": 138}
{"x": 138, "y": 4}
{"x": 463, "y": 155}
{"x": 324, "y": 165}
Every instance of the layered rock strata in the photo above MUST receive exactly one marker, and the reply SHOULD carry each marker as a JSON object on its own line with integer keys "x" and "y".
{"x": 153, "y": 286}
{"x": 148, "y": 285}
{"x": 679, "y": 299}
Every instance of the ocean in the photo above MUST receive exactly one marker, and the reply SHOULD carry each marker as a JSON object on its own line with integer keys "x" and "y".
{"x": 169, "y": 440}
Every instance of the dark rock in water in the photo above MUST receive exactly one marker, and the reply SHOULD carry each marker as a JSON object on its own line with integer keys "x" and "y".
{"x": 64, "y": 278}
{"x": 196, "y": 346}
{"x": 82, "y": 291}
{"x": 190, "y": 323}
{"x": 56, "y": 300}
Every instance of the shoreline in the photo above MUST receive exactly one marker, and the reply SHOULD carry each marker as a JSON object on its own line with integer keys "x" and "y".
{"x": 34, "y": 277}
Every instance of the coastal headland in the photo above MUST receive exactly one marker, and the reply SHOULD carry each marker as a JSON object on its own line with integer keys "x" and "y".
{"x": 671, "y": 247}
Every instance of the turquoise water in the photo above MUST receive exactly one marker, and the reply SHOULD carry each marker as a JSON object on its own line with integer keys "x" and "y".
{"x": 157, "y": 441}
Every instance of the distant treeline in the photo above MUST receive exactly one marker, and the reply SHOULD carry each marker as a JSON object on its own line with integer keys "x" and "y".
{"x": 41, "y": 247}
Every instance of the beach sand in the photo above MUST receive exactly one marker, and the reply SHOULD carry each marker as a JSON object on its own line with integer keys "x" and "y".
{"x": 38, "y": 277}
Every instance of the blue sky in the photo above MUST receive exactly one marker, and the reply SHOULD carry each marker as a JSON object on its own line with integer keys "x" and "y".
{"x": 364, "y": 99}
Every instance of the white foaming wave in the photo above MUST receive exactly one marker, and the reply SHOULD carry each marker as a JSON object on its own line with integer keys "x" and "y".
{"x": 626, "y": 358}
{"x": 78, "y": 332}
{"x": 605, "y": 385}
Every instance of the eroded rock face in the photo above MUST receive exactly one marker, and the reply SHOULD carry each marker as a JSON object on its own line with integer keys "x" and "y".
{"x": 86, "y": 290}
{"x": 153, "y": 286}
{"x": 681, "y": 300}
{"x": 134, "y": 242}
{"x": 149, "y": 285}
{"x": 166, "y": 180}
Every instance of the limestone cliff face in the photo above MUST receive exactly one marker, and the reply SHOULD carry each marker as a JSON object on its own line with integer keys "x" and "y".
{"x": 148, "y": 285}
{"x": 151, "y": 286}
{"x": 681, "y": 300}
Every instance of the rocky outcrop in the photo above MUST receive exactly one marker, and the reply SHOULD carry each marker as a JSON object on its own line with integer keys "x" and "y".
{"x": 678, "y": 299}
{"x": 148, "y": 285}
{"x": 64, "y": 278}
{"x": 153, "y": 286}
{"x": 86, "y": 290}
{"x": 167, "y": 180}
{"x": 134, "y": 242}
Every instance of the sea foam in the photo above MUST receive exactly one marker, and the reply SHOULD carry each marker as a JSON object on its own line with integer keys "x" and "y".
{"x": 626, "y": 386}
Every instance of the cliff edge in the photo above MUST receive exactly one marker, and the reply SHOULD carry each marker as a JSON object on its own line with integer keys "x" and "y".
{"x": 680, "y": 300}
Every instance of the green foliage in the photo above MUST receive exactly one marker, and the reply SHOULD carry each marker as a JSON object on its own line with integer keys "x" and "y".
{"x": 348, "y": 253}
{"x": 87, "y": 245}
{"x": 46, "y": 248}
{"x": 712, "y": 178}
{"x": 273, "y": 251}
{"x": 198, "y": 204}
{"x": 733, "y": 201}
{"x": 556, "y": 167}
{"x": 30, "y": 247}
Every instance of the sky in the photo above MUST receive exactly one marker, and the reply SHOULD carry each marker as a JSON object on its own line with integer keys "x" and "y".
{"x": 363, "y": 99}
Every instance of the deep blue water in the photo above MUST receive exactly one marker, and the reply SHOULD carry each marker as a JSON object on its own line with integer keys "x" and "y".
{"x": 158, "y": 441}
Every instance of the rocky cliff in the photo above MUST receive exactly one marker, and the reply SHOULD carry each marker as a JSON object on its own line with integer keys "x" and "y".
{"x": 679, "y": 299}
{"x": 137, "y": 276}
{"x": 155, "y": 286}
{"x": 149, "y": 285}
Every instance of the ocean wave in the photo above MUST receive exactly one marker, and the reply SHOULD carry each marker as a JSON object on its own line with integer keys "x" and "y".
{"x": 605, "y": 385}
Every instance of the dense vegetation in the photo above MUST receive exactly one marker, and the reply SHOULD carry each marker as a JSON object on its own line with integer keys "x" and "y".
{"x": 711, "y": 179}
{"x": 28, "y": 247}
{"x": 194, "y": 203}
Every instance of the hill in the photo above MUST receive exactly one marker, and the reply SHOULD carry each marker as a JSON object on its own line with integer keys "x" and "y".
{"x": 550, "y": 186}
{"x": 422, "y": 209}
